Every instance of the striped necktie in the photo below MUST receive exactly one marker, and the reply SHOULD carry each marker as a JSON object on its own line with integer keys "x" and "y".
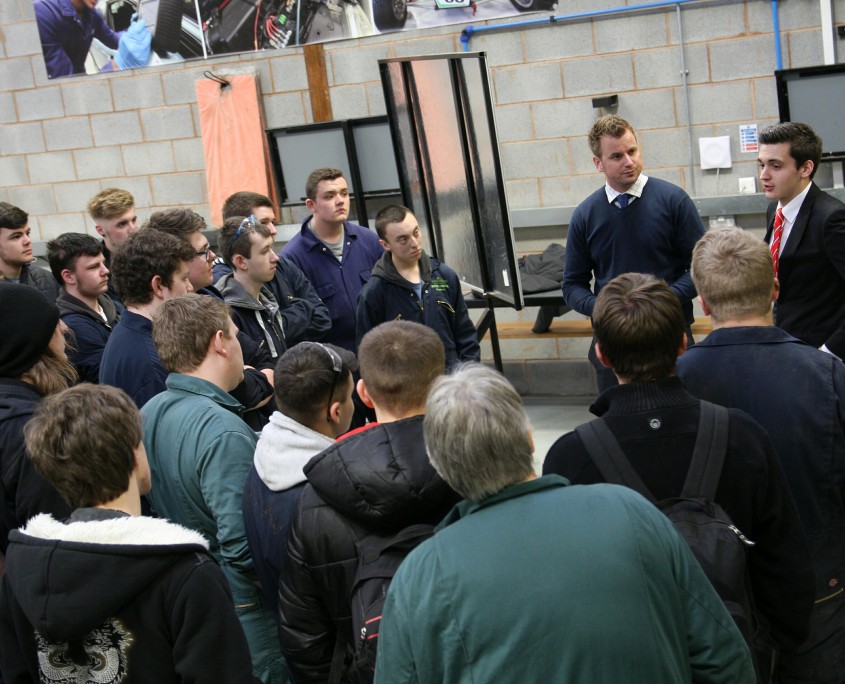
{"x": 776, "y": 237}
{"x": 623, "y": 199}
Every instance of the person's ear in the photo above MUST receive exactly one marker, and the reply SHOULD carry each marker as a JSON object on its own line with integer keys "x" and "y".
{"x": 362, "y": 392}
{"x": 157, "y": 286}
{"x": 597, "y": 164}
{"x": 684, "y": 342}
{"x": 603, "y": 360}
{"x": 239, "y": 261}
{"x": 218, "y": 344}
{"x": 311, "y": 204}
{"x": 775, "y": 290}
{"x": 68, "y": 277}
{"x": 807, "y": 168}
{"x": 705, "y": 307}
{"x": 384, "y": 245}
{"x": 334, "y": 412}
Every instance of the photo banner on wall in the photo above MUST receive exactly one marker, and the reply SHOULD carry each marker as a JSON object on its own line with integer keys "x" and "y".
{"x": 77, "y": 38}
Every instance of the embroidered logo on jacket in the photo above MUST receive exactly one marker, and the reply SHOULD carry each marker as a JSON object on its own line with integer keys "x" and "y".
{"x": 100, "y": 658}
{"x": 440, "y": 284}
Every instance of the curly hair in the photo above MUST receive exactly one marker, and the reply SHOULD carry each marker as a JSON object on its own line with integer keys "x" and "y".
{"x": 143, "y": 256}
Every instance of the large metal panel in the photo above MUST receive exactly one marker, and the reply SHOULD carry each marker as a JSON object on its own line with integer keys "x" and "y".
{"x": 444, "y": 134}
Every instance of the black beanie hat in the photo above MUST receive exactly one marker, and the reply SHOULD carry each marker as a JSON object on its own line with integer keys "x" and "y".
{"x": 27, "y": 322}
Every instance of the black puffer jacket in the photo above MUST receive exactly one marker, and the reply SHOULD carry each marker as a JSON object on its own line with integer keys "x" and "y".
{"x": 375, "y": 480}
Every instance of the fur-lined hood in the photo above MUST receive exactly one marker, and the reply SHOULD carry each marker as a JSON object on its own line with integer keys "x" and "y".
{"x": 69, "y": 578}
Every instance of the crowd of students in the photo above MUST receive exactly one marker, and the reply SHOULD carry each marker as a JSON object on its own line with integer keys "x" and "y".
{"x": 277, "y": 442}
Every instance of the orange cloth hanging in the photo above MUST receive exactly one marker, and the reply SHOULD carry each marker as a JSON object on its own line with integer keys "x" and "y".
{"x": 237, "y": 154}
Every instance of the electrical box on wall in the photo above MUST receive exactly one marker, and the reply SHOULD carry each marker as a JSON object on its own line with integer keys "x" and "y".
{"x": 715, "y": 152}
{"x": 747, "y": 186}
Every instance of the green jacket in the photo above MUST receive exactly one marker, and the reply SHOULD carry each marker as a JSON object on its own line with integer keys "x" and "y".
{"x": 546, "y": 582}
{"x": 200, "y": 452}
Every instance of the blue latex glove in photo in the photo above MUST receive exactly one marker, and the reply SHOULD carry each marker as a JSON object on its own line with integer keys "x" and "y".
{"x": 135, "y": 42}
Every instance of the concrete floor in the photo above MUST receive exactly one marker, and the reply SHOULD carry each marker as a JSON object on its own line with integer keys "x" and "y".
{"x": 552, "y": 417}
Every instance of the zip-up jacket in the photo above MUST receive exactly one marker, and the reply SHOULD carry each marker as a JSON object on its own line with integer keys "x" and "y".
{"x": 388, "y": 296}
{"x": 139, "y": 597}
{"x": 337, "y": 282}
{"x": 24, "y": 492}
{"x": 260, "y": 319}
{"x": 40, "y": 279}
{"x": 304, "y": 316}
{"x": 90, "y": 332}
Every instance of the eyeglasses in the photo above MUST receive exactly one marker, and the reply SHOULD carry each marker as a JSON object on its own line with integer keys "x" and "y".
{"x": 337, "y": 367}
{"x": 246, "y": 225}
{"x": 206, "y": 253}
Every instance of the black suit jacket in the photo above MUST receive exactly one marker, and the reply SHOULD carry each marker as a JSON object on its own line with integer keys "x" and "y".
{"x": 811, "y": 304}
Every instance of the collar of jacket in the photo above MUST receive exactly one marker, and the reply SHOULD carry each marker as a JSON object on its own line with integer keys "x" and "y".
{"x": 748, "y": 334}
{"x": 189, "y": 384}
{"x": 465, "y": 508}
{"x": 235, "y": 294}
{"x": 634, "y": 397}
{"x": 311, "y": 240}
{"x": 67, "y": 303}
{"x": 113, "y": 529}
{"x": 386, "y": 269}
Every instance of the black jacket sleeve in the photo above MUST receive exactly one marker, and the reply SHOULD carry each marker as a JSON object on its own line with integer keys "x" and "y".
{"x": 304, "y": 315}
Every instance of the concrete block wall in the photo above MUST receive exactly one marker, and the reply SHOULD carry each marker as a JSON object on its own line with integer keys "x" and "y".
{"x": 61, "y": 141}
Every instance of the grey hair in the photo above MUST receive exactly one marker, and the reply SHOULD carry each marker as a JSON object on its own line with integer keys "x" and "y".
{"x": 477, "y": 433}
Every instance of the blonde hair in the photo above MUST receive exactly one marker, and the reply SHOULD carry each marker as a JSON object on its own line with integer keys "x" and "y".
{"x": 732, "y": 271}
{"x": 109, "y": 203}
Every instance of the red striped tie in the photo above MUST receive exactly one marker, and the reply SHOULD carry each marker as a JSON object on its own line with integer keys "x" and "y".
{"x": 776, "y": 236}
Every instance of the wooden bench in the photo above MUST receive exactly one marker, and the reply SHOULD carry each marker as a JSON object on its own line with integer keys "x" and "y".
{"x": 583, "y": 327}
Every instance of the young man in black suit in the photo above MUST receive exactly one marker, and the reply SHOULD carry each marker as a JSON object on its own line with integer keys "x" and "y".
{"x": 806, "y": 235}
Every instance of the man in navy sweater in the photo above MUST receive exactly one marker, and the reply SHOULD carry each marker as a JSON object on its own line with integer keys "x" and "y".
{"x": 149, "y": 268}
{"x": 632, "y": 224}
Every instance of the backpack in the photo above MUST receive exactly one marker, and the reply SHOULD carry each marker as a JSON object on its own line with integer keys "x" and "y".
{"x": 379, "y": 557}
{"x": 718, "y": 545}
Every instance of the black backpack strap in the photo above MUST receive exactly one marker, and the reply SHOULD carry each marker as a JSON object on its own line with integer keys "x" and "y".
{"x": 338, "y": 661}
{"x": 604, "y": 450}
{"x": 708, "y": 457}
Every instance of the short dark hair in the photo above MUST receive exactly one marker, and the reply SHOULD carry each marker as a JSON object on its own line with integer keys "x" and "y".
{"x": 393, "y": 213}
{"x": 639, "y": 325}
{"x": 316, "y": 177}
{"x": 242, "y": 203}
{"x": 228, "y": 244}
{"x": 180, "y": 223}
{"x": 82, "y": 441}
{"x": 609, "y": 124}
{"x": 804, "y": 143}
{"x": 144, "y": 255}
{"x": 399, "y": 360}
{"x": 12, "y": 216}
{"x": 304, "y": 377}
{"x": 63, "y": 251}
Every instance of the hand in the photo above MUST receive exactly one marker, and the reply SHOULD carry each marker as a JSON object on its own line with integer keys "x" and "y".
{"x": 135, "y": 43}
